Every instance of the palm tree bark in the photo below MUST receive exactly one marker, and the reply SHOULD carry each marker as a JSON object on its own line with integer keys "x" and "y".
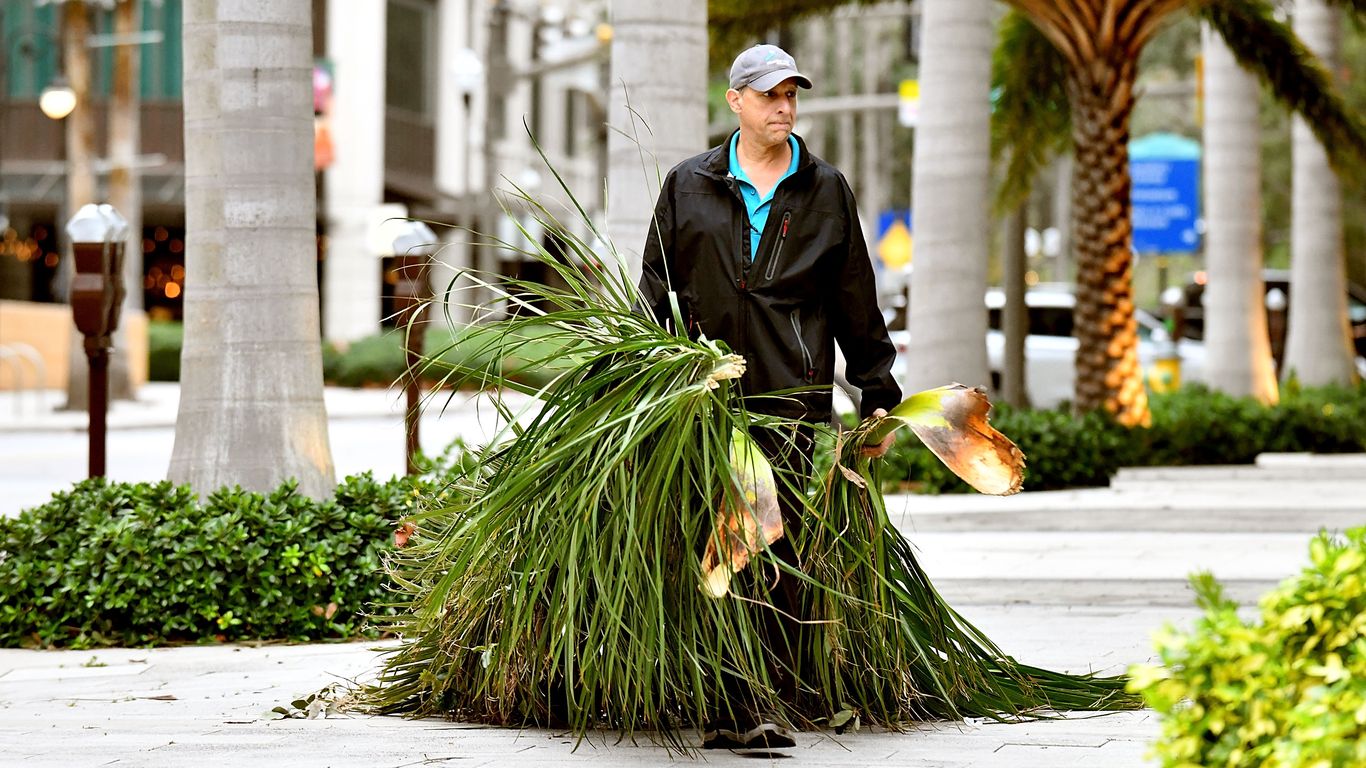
{"x": 949, "y": 192}
{"x": 251, "y": 405}
{"x": 125, "y": 185}
{"x": 1318, "y": 347}
{"x": 79, "y": 127}
{"x": 1109, "y": 376}
{"x": 658, "y": 112}
{"x": 1238, "y": 347}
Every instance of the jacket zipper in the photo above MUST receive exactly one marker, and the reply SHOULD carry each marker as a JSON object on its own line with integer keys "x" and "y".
{"x": 801, "y": 344}
{"x": 743, "y": 282}
{"x": 778, "y": 249}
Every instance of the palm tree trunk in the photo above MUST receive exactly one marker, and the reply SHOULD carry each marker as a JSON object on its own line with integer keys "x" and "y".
{"x": 79, "y": 129}
{"x": 949, "y": 188}
{"x": 658, "y": 110}
{"x": 1015, "y": 313}
{"x": 1239, "y": 349}
{"x": 251, "y": 404}
{"x": 1318, "y": 348}
{"x": 1109, "y": 376}
{"x": 125, "y": 187}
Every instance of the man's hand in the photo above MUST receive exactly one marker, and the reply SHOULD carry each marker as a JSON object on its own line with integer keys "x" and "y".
{"x": 876, "y": 451}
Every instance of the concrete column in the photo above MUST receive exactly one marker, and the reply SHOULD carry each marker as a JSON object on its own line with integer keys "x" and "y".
{"x": 459, "y": 80}
{"x": 355, "y": 182}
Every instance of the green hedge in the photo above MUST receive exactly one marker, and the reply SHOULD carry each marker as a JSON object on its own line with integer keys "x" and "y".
{"x": 1192, "y": 426}
{"x": 149, "y": 563}
{"x": 163, "y": 350}
{"x": 1288, "y": 690}
{"x": 375, "y": 361}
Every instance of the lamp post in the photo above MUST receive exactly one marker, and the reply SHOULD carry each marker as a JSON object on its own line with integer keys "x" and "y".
{"x": 98, "y": 235}
{"x": 413, "y": 246}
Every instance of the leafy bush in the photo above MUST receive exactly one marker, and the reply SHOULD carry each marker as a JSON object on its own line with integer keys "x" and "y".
{"x": 143, "y": 563}
{"x": 163, "y": 350}
{"x": 1288, "y": 691}
{"x": 380, "y": 360}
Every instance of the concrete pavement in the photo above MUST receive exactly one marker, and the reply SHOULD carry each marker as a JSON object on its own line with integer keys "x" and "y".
{"x": 1074, "y": 580}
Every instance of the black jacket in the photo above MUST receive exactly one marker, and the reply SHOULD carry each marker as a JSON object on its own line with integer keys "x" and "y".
{"x": 810, "y": 285}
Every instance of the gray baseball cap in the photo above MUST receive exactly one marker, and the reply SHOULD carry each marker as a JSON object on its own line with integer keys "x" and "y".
{"x": 764, "y": 66}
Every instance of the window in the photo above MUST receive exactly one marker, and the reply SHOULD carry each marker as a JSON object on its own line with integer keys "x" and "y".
{"x": 407, "y": 55}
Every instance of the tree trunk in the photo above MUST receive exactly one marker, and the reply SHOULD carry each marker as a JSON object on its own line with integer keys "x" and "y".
{"x": 1015, "y": 313}
{"x": 658, "y": 110}
{"x": 871, "y": 192}
{"x": 1318, "y": 348}
{"x": 80, "y": 173}
{"x": 1238, "y": 347}
{"x": 251, "y": 403}
{"x": 814, "y": 56}
{"x": 845, "y": 138}
{"x": 947, "y": 317}
{"x": 1109, "y": 376}
{"x": 125, "y": 190}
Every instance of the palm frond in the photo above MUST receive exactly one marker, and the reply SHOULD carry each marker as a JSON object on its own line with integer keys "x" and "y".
{"x": 561, "y": 580}
{"x": 1297, "y": 78}
{"x": 758, "y": 15}
{"x": 1032, "y": 120}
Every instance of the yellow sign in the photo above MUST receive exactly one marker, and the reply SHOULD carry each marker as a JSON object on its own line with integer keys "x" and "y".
{"x": 908, "y": 108}
{"x": 895, "y": 246}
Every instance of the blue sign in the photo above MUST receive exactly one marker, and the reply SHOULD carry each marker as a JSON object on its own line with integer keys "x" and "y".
{"x": 1165, "y": 173}
{"x": 887, "y": 217}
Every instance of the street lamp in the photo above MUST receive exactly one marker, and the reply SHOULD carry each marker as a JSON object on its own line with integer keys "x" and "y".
{"x": 58, "y": 99}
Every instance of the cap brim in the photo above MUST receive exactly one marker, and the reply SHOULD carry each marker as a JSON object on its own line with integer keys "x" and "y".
{"x": 771, "y": 80}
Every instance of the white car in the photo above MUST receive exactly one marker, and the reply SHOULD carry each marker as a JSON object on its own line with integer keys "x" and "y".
{"x": 1051, "y": 349}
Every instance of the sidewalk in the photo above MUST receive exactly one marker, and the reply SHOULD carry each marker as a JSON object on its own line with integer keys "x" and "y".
{"x": 1074, "y": 580}
{"x": 43, "y": 450}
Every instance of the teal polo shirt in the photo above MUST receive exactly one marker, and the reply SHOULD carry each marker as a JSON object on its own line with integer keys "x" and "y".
{"x": 757, "y": 207}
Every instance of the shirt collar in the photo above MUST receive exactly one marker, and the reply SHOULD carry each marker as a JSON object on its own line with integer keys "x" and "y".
{"x": 739, "y": 172}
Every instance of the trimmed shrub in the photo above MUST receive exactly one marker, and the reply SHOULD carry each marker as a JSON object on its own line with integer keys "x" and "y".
{"x": 1286, "y": 691}
{"x": 163, "y": 350}
{"x": 148, "y": 563}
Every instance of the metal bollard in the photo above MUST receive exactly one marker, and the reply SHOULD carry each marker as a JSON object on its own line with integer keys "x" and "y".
{"x": 412, "y": 250}
{"x": 97, "y": 234}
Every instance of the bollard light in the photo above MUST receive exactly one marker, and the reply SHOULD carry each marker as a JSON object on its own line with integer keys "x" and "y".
{"x": 1276, "y": 303}
{"x": 1165, "y": 375}
{"x": 413, "y": 245}
{"x": 1276, "y": 300}
{"x": 97, "y": 234}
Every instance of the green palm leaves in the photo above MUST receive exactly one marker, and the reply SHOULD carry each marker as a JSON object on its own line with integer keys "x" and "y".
{"x": 607, "y": 562}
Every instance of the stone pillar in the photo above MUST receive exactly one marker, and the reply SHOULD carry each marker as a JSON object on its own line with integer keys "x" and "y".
{"x": 354, "y": 186}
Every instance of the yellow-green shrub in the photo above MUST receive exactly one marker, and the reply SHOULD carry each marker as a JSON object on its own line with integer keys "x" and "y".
{"x": 1287, "y": 691}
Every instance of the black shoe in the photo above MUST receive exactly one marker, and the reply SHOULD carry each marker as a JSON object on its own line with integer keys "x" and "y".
{"x": 768, "y": 736}
{"x": 723, "y": 734}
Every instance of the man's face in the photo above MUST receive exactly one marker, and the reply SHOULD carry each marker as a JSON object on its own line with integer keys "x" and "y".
{"x": 766, "y": 116}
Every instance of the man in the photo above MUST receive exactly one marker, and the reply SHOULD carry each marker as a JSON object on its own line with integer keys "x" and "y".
{"x": 760, "y": 242}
